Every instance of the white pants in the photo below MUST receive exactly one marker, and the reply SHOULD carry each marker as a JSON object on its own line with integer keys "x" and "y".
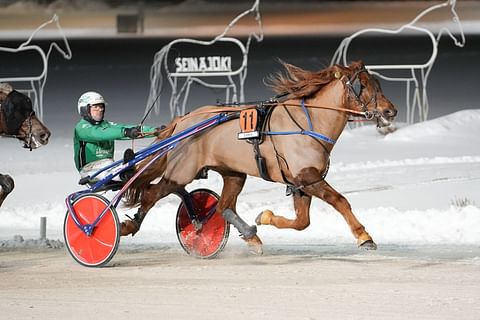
{"x": 92, "y": 167}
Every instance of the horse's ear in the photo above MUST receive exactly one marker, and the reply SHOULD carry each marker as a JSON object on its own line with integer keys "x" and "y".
{"x": 357, "y": 65}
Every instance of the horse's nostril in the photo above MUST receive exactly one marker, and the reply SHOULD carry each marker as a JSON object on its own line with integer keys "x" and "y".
{"x": 45, "y": 136}
{"x": 390, "y": 113}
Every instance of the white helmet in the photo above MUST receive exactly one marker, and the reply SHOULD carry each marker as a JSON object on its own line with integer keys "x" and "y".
{"x": 87, "y": 99}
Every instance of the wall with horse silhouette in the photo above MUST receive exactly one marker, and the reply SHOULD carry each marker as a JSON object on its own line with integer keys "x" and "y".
{"x": 120, "y": 70}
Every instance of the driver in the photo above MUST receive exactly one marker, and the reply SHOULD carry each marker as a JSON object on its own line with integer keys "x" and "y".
{"x": 94, "y": 137}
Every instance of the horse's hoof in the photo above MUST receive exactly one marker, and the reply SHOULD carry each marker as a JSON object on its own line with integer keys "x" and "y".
{"x": 265, "y": 217}
{"x": 255, "y": 245}
{"x": 368, "y": 245}
{"x": 128, "y": 227}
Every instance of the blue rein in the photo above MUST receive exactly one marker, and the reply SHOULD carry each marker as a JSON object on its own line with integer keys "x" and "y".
{"x": 309, "y": 132}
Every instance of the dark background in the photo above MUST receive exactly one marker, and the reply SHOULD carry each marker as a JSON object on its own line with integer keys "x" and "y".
{"x": 120, "y": 70}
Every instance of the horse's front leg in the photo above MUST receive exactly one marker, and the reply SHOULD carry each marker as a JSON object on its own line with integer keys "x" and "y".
{"x": 150, "y": 196}
{"x": 6, "y": 186}
{"x": 232, "y": 186}
{"x": 325, "y": 192}
{"x": 301, "y": 203}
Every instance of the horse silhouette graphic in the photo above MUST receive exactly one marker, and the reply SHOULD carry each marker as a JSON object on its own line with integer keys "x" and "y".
{"x": 183, "y": 71}
{"x": 416, "y": 77}
{"x": 34, "y": 83}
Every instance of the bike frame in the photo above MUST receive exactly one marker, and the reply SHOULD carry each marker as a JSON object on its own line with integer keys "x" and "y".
{"x": 161, "y": 148}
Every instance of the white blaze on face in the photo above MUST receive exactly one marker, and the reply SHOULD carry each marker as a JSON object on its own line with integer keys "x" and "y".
{"x": 382, "y": 122}
{"x": 35, "y": 143}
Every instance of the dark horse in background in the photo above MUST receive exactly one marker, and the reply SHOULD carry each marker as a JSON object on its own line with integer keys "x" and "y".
{"x": 18, "y": 120}
{"x": 315, "y": 107}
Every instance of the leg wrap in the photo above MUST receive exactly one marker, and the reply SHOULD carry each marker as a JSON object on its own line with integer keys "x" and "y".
{"x": 138, "y": 217}
{"x": 7, "y": 183}
{"x": 245, "y": 230}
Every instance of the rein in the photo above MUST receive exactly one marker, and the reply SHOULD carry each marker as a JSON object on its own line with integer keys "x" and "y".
{"x": 273, "y": 102}
{"x": 360, "y": 113}
{"x": 237, "y": 107}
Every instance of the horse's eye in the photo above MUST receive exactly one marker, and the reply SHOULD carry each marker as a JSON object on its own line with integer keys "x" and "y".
{"x": 357, "y": 87}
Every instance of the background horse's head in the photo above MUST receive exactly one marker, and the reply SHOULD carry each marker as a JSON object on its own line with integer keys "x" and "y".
{"x": 18, "y": 120}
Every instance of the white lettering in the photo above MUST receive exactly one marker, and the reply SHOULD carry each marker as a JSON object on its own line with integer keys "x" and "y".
{"x": 203, "y": 64}
{"x": 185, "y": 64}
{"x": 178, "y": 63}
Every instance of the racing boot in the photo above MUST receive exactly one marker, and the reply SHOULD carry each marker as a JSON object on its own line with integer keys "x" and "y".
{"x": 128, "y": 155}
{"x": 6, "y": 186}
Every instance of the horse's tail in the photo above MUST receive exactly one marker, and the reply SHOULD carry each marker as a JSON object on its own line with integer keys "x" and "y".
{"x": 134, "y": 192}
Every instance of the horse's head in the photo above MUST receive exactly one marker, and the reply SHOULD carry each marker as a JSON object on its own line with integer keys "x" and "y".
{"x": 448, "y": 5}
{"x": 258, "y": 19}
{"x": 365, "y": 94}
{"x": 255, "y": 12}
{"x": 352, "y": 89}
{"x": 459, "y": 39}
{"x": 19, "y": 120}
{"x": 66, "y": 52}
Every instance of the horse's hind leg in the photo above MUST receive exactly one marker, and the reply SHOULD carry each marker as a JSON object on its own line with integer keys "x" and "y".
{"x": 232, "y": 186}
{"x": 301, "y": 203}
{"x": 325, "y": 192}
{"x": 6, "y": 186}
{"x": 150, "y": 196}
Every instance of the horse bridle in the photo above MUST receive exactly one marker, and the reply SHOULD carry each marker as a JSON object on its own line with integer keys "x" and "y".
{"x": 27, "y": 143}
{"x": 355, "y": 87}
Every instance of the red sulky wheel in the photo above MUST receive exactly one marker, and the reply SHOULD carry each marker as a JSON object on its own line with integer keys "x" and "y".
{"x": 210, "y": 240}
{"x": 97, "y": 249}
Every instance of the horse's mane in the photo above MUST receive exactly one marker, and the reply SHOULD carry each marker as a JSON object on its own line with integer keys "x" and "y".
{"x": 298, "y": 82}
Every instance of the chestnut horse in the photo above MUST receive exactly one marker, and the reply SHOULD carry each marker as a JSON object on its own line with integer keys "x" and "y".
{"x": 18, "y": 120}
{"x": 315, "y": 108}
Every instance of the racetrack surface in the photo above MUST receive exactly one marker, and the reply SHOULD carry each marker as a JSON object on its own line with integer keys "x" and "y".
{"x": 316, "y": 282}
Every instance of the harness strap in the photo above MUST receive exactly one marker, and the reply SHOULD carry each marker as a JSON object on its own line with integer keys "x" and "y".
{"x": 264, "y": 116}
{"x": 307, "y": 115}
{"x": 293, "y": 189}
{"x": 309, "y": 133}
{"x": 261, "y": 164}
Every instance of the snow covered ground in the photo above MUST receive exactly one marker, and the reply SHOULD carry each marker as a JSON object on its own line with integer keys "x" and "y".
{"x": 418, "y": 186}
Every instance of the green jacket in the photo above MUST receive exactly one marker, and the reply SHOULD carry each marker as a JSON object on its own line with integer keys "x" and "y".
{"x": 94, "y": 142}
